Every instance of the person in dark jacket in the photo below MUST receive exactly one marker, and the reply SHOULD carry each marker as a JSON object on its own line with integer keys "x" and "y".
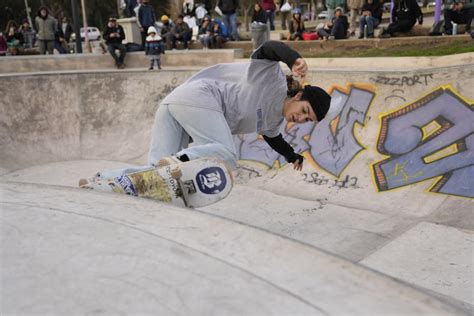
{"x": 130, "y": 6}
{"x": 337, "y": 27}
{"x": 113, "y": 36}
{"x": 258, "y": 14}
{"x": 180, "y": 32}
{"x": 404, "y": 16}
{"x": 229, "y": 10}
{"x": 166, "y": 31}
{"x": 259, "y": 29}
{"x": 66, "y": 29}
{"x": 60, "y": 42}
{"x": 14, "y": 38}
{"x": 296, "y": 28}
{"x": 460, "y": 12}
{"x": 205, "y": 32}
{"x": 146, "y": 18}
{"x": 371, "y": 16}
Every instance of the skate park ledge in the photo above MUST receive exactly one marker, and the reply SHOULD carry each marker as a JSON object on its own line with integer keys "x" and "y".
{"x": 199, "y": 58}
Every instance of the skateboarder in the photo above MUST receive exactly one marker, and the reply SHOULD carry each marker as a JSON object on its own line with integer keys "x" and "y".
{"x": 236, "y": 98}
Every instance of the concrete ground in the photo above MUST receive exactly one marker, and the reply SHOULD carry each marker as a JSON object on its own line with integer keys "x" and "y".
{"x": 380, "y": 220}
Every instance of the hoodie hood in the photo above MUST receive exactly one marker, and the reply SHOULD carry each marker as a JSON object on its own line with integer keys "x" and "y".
{"x": 47, "y": 12}
{"x": 151, "y": 29}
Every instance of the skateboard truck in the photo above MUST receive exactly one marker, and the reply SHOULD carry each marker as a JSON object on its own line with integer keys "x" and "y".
{"x": 184, "y": 187}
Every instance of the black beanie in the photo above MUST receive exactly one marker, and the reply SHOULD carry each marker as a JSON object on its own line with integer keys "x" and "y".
{"x": 319, "y": 99}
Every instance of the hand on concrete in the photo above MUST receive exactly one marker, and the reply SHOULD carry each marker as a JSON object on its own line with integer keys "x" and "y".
{"x": 297, "y": 165}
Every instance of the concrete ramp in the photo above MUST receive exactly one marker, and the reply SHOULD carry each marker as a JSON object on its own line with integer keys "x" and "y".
{"x": 379, "y": 221}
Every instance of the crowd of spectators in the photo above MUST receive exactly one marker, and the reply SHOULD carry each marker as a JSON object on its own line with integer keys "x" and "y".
{"x": 212, "y": 27}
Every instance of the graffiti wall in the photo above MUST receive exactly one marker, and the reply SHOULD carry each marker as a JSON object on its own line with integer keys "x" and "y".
{"x": 426, "y": 136}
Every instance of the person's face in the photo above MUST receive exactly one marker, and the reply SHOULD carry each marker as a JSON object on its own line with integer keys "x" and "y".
{"x": 64, "y": 20}
{"x": 299, "y": 111}
{"x": 338, "y": 13}
{"x": 370, "y": 1}
{"x": 26, "y": 25}
{"x": 180, "y": 20}
{"x": 43, "y": 12}
{"x": 296, "y": 16}
{"x": 145, "y": 2}
{"x": 257, "y": 7}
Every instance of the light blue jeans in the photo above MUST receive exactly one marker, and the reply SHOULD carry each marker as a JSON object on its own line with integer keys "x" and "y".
{"x": 370, "y": 21}
{"x": 230, "y": 22}
{"x": 208, "y": 128}
{"x": 173, "y": 126}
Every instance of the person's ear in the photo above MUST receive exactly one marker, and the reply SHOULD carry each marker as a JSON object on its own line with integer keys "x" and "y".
{"x": 298, "y": 96}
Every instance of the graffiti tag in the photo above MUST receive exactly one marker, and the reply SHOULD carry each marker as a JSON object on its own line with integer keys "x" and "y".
{"x": 429, "y": 138}
{"x": 347, "y": 182}
{"x": 333, "y": 144}
{"x": 421, "y": 79}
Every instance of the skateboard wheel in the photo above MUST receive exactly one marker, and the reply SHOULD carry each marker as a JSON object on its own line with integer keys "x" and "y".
{"x": 163, "y": 163}
{"x": 166, "y": 161}
{"x": 176, "y": 174}
{"x": 83, "y": 182}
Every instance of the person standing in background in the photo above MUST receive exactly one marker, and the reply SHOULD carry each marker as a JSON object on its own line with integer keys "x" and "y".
{"x": 135, "y": 10}
{"x": 229, "y": 10}
{"x": 46, "y": 26}
{"x": 153, "y": 48}
{"x": 146, "y": 18}
{"x": 354, "y": 6}
{"x": 269, "y": 7}
{"x": 285, "y": 14}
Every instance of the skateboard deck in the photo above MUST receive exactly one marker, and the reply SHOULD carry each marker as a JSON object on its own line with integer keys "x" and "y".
{"x": 192, "y": 184}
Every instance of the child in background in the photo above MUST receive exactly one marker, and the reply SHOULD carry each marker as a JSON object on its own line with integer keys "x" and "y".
{"x": 153, "y": 47}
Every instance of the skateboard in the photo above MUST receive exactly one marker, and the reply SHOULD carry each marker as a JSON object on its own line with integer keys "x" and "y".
{"x": 194, "y": 183}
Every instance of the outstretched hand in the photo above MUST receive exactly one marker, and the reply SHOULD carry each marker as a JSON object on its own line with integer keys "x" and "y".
{"x": 298, "y": 165}
{"x": 300, "y": 68}
{"x": 297, "y": 162}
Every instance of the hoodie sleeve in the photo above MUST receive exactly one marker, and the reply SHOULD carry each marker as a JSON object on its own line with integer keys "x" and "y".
{"x": 280, "y": 145}
{"x": 276, "y": 51}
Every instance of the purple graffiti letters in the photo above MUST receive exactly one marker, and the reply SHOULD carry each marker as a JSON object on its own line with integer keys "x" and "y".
{"x": 432, "y": 137}
{"x": 250, "y": 147}
{"x": 334, "y": 145}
